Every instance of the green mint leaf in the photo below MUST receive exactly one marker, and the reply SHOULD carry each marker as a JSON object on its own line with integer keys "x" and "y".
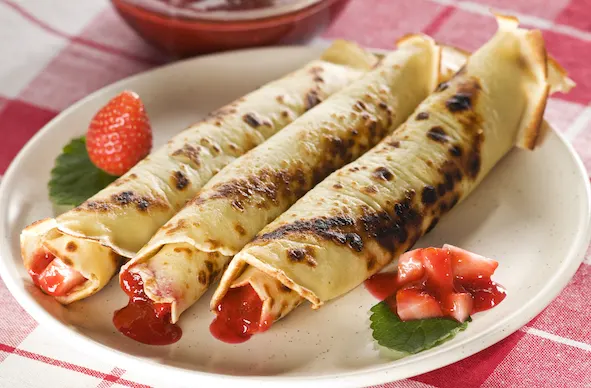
{"x": 74, "y": 178}
{"x": 410, "y": 337}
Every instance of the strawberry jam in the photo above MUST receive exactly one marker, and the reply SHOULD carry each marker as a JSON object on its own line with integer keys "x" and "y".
{"x": 142, "y": 319}
{"x": 382, "y": 285}
{"x": 453, "y": 283}
{"x": 41, "y": 260}
{"x": 52, "y": 275}
{"x": 238, "y": 316}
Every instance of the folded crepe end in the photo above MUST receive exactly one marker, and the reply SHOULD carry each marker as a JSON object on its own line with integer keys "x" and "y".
{"x": 238, "y": 273}
{"x": 343, "y": 52}
{"x": 544, "y": 75}
{"x": 434, "y": 48}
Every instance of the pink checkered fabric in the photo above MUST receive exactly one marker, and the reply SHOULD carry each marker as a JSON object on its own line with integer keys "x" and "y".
{"x": 55, "y": 52}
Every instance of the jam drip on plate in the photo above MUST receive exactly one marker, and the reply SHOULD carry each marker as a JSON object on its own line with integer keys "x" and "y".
{"x": 437, "y": 282}
{"x": 142, "y": 319}
{"x": 238, "y": 316}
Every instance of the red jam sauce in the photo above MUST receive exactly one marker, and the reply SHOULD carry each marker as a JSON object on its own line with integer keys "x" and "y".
{"x": 52, "y": 275}
{"x": 41, "y": 260}
{"x": 238, "y": 316}
{"x": 452, "y": 282}
{"x": 142, "y": 319}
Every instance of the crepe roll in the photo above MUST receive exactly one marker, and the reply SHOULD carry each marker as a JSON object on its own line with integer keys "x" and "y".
{"x": 186, "y": 255}
{"x": 366, "y": 214}
{"x": 75, "y": 254}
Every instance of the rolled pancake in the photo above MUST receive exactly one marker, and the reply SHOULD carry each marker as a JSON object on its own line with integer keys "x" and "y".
{"x": 368, "y": 213}
{"x": 115, "y": 223}
{"x": 185, "y": 256}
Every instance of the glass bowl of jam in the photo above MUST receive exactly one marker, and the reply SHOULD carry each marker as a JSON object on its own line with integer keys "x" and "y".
{"x": 189, "y": 27}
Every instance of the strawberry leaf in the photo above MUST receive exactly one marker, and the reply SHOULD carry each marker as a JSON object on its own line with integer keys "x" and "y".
{"x": 410, "y": 337}
{"x": 74, "y": 178}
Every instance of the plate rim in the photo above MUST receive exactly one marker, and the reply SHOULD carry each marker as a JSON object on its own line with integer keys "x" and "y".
{"x": 367, "y": 376}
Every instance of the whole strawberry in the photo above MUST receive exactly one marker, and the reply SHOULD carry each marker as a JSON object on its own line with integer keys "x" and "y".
{"x": 119, "y": 134}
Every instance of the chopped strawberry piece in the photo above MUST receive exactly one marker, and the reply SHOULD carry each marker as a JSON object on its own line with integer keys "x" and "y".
{"x": 412, "y": 303}
{"x": 40, "y": 261}
{"x": 468, "y": 266}
{"x": 458, "y": 305}
{"x": 410, "y": 267}
{"x": 438, "y": 268}
{"x": 58, "y": 279}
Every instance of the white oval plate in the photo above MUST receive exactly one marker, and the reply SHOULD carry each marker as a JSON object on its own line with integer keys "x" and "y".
{"x": 531, "y": 214}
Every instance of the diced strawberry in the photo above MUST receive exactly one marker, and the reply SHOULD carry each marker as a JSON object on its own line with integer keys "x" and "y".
{"x": 458, "y": 305}
{"x": 58, "y": 279}
{"x": 438, "y": 269}
{"x": 468, "y": 266}
{"x": 413, "y": 303}
{"x": 410, "y": 267}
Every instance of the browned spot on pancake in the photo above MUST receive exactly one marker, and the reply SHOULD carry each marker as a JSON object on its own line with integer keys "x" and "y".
{"x": 125, "y": 198}
{"x": 180, "y": 181}
{"x": 394, "y": 143}
{"x": 443, "y": 207}
{"x": 202, "y": 277}
{"x": 172, "y": 228}
{"x": 326, "y": 227}
{"x": 240, "y": 229}
{"x": 299, "y": 255}
{"x": 214, "y": 244}
{"x": 442, "y": 86}
{"x": 382, "y": 173}
{"x": 455, "y": 150}
{"x": 224, "y": 111}
{"x": 382, "y": 105}
{"x": 100, "y": 206}
{"x": 437, "y": 134}
{"x": 209, "y": 266}
{"x": 67, "y": 261}
{"x": 361, "y": 104}
{"x": 280, "y": 99}
{"x": 186, "y": 250}
{"x": 71, "y": 246}
{"x": 132, "y": 176}
{"x": 422, "y": 116}
{"x": 189, "y": 152}
{"x": 251, "y": 120}
{"x": 284, "y": 114}
{"x": 337, "y": 186}
{"x": 218, "y": 123}
{"x": 312, "y": 99}
{"x": 316, "y": 70}
{"x": 458, "y": 102}
{"x": 371, "y": 189}
{"x": 236, "y": 204}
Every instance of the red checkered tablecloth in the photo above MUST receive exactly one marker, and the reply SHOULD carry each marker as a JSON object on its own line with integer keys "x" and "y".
{"x": 54, "y": 52}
